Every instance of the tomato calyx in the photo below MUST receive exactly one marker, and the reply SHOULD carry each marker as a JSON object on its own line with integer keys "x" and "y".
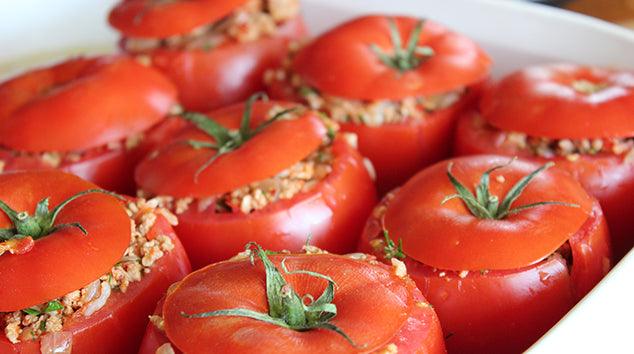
{"x": 408, "y": 58}
{"x": 41, "y": 224}
{"x": 227, "y": 140}
{"x": 286, "y": 308}
{"x": 484, "y": 205}
{"x": 391, "y": 249}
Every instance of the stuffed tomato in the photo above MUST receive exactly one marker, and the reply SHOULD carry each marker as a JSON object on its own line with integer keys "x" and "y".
{"x": 86, "y": 116}
{"x": 80, "y": 268}
{"x": 272, "y": 302}
{"x": 264, "y": 172}
{"x": 214, "y": 51}
{"x": 500, "y": 264}
{"x": 579, "y": 117}
{"x": 395, "y": 82}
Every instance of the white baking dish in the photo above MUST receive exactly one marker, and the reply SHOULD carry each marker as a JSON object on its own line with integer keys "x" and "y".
{"x": 514, "y": 33}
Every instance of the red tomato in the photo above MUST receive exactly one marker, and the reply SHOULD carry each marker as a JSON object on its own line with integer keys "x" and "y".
{"x": 555, "y": 93}
{"x": 286, "y": 142}
{"x": 497, "y": 285}
{"x": 399, "y": 150}
{"x": 227, "y": 74}
{"x": 66, "y": 250}
{"x": 160, "y": 19}
{"x": 94, "y": 102}
{"x": 562, "y": 112}
{"x": 206, "y": 79}
{"x": 398, "y": 313}
{"x": 58, "y": 264}
{"x": 332, "y": 212}
{"x": 341, "y": 62}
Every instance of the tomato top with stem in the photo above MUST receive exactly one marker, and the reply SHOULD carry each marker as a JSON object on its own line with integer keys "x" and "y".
{"x": 230, "y": 148}
{"x": 76, "y": 242}
{"x": 519, "y": 215}
{"x": 379, "y": 57}
{"x": 280, "y": 313}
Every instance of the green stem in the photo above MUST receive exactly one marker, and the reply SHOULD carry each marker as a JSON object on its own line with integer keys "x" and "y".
{"x": 226, "y": 140}
{"x": 408, "y": 58}
{"x": 41, "y": 224}
{"x": 286, "y": 308}
{"x": 484, "y": 205}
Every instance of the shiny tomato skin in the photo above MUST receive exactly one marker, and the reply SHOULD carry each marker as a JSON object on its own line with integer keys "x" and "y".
{"x": 455, "y": 239}
{"x": 174, "y": 169}
{"x": 97, "y": 169}
{"x": 229, "y": 73}
{"x": 407, "y": 340}
{"x": 67, "y": 90}
{"x": 109, "y": 169}
{"x": 82, "y": 104}
{"x": 397, "y": 151}
{"x": 506, "y": 311}
{"x": 542, "y": 101}
{"x": 32, "y": 278}
{"x": 332, "y": 214}
{"x": 420, "y": 332}
{"x": 152, "y": 19}
{"x": 341, "y": 62}
{"x": 604, "y": 176}
{"x": 118, "y": 326}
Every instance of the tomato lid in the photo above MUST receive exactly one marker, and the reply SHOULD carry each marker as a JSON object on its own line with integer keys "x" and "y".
{"x": 343, "y": 61}
{"x": 239, "y": 284}
{"x": 563, "y": 101}
{"x": 448, "y": 236}
{"x": 81, "y": 104}
{"x": 175, "y": 170}
{"x": 161, "y": 18}
{"x": 65, "y": 260}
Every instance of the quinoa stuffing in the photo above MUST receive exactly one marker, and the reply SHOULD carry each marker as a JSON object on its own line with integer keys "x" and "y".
{"x": 571, "y": 149}
{"x": 362, "y": 112}
{"x": 253, "y": 20}
{"x": 56, "y": 159}
{"x": 138, "y": 259}
{"x": 299, "y": 178}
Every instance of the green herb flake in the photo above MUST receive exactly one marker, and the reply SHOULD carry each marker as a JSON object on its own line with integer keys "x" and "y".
{"x": 53, "y": 306}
